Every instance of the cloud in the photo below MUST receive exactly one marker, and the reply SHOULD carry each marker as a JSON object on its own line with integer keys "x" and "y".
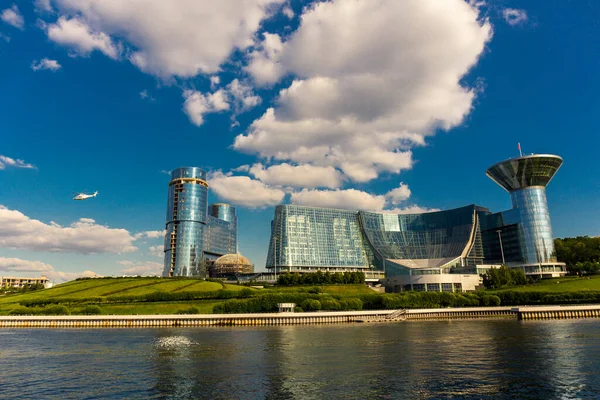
{"x": 242, "y": 96}
{"x": 236, "y": 95}
{"x": 142, "y": 268}
{"x": 197, "y": 104}
{"x": 149, "y": 235}
{"x": 214, "y": 82}
{"x": 157, "y": 251}
{"x": 514, "y": 16}
{"x": 244, "y": 191}
{"x": 303, "y": 176}
{"x": 12, "y": 17}
{"x": 5, "y": 37}
{"x": 265, "y": 61}
{"x": 399, "y": 194}
{"x": 182, "y": 38}
{"x": 144, "y": 95}
{"x": 76, "y": 34}
{"x": 288, "y": 12}
{"x": 17, "y": 265}
{"x": 350, "y": 199}
{"x": 362, "y": 98}
{"x": 17, "y": 231}
{"x": 7, "y": 162}
{"x": 43, "y": 5}
{"x": 45, "y": 63}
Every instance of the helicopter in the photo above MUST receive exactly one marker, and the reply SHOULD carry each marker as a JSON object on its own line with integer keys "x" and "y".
{"x": 83, "y": 196}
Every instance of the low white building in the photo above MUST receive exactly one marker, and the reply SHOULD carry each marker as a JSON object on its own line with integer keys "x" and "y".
{"x": 19, "y": 282}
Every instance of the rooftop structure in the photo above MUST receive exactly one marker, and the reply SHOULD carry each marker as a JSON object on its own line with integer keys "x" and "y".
{"x": 526, "y": 178}
{"x": 231, "y": 265}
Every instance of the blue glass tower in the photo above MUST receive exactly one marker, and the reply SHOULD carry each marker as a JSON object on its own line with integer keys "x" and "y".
{"x": 186, "y": 222}
{"x": 525, "y": 178}
{"x": 195, "y": 236}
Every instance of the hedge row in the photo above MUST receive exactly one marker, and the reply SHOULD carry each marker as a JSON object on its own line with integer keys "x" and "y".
{"x": 56, "y": 310}
{"x": 427, "y": 300}
{"x": 515, "y": 298}
{"x": 150, "y": 297}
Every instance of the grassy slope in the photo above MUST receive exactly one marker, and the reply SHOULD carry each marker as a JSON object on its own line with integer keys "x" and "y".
{"x": 565, "y": 284}
{"x": 120, "y": 287}
{"x": 92, "y": 288}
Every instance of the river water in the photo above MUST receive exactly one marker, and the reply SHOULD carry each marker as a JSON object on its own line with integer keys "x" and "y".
{"x": 411, "y": 360}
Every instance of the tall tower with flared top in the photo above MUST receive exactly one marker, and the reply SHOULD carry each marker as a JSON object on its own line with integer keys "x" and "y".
{"x": 525, "y": 178}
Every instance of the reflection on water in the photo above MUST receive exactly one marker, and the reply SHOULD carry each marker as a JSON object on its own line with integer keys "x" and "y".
{"x": 459, "y": 359}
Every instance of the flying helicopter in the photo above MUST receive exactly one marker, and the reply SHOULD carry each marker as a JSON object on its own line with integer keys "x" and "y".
{"x": 83, "y": 196}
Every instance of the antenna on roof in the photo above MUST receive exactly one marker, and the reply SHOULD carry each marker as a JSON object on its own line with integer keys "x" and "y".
{"x": 520, "y": 152}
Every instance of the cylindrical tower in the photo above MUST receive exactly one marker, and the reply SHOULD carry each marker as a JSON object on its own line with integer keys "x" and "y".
{"x": 525, "y": 178}
{"x": 226, "y": 212}
{"x": 186, "y": 220}
{"x": 223, "y": 211}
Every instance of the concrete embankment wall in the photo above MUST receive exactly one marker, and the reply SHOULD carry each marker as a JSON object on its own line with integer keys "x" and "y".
{"x": 557, "y": 312}
{"x": 150, "y": 321}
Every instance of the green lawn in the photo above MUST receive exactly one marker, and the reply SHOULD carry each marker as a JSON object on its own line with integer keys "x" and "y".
{"x": 172, "y": 286}
{"x": 94, "y": 288}
{"x": 565, "y": 284}
{"x": 205, "y": 307}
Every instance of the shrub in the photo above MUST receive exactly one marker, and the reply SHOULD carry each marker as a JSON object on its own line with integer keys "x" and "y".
{"x": 191, "y": 310}
{"x": 22, "y": 311}
{"x": 311, "y": 305}
{"x": 354, "y": 304}
{"x": 331, "y": 304}
{"x": 298, "y": 309}
{"x": 55, "y": 310}
{"x": 90, "y": 310}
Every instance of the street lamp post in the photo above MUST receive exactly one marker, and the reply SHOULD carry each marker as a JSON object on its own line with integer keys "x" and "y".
{"x": 501, "y": 248}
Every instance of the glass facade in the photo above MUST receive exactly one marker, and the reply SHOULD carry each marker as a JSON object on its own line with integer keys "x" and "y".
{"x": 525, "y": 232}
{"x": 535, "y": 224}
{"x": 310, "y": 237}
{"x": 427, "y": 247}
{"x": 435, "y": 235}
{"x": 190, "y": 231}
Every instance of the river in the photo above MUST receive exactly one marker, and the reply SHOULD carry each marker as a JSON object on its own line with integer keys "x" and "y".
{"x": 413, "y": 360}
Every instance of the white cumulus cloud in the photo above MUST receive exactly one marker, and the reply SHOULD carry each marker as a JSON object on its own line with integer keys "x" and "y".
{"x": 21, "y": 267}
{"x": 244, "y": 191}
{"x": 143, "y": 268}
{"x": 303, "y": 176}
{"x": 398, "y": 194}
{"x": 17, "y": 231}
{"x": 514, "y": 16}
{"x": 361, "y": 98}
{"x": 174, "y": 38}
{"x": 149, "y": 235}
{"x": 7, "y": 162}
{"x": 157, "y": 251}
{"x": 197, "y": 104}
{"x": 45, "y": 63}
{"x": 76, "y": 34}
{"x": 350, "y": 199}
{"x": 13, "y": 17}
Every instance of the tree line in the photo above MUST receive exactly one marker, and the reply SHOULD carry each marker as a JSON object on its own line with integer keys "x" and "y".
{"x": 320, "y": 278}
{"x": 581, "y": 254}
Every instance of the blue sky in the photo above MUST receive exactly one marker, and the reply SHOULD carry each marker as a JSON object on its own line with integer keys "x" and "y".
{"x": 377, "y": 105}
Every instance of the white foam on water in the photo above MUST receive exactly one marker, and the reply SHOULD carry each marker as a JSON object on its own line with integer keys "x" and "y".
{"x": 173, "y": 342}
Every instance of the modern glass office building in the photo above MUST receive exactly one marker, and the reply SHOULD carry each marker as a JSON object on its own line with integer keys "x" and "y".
{"x": 194, "y": 236}
{"x": 440, "y": 251}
